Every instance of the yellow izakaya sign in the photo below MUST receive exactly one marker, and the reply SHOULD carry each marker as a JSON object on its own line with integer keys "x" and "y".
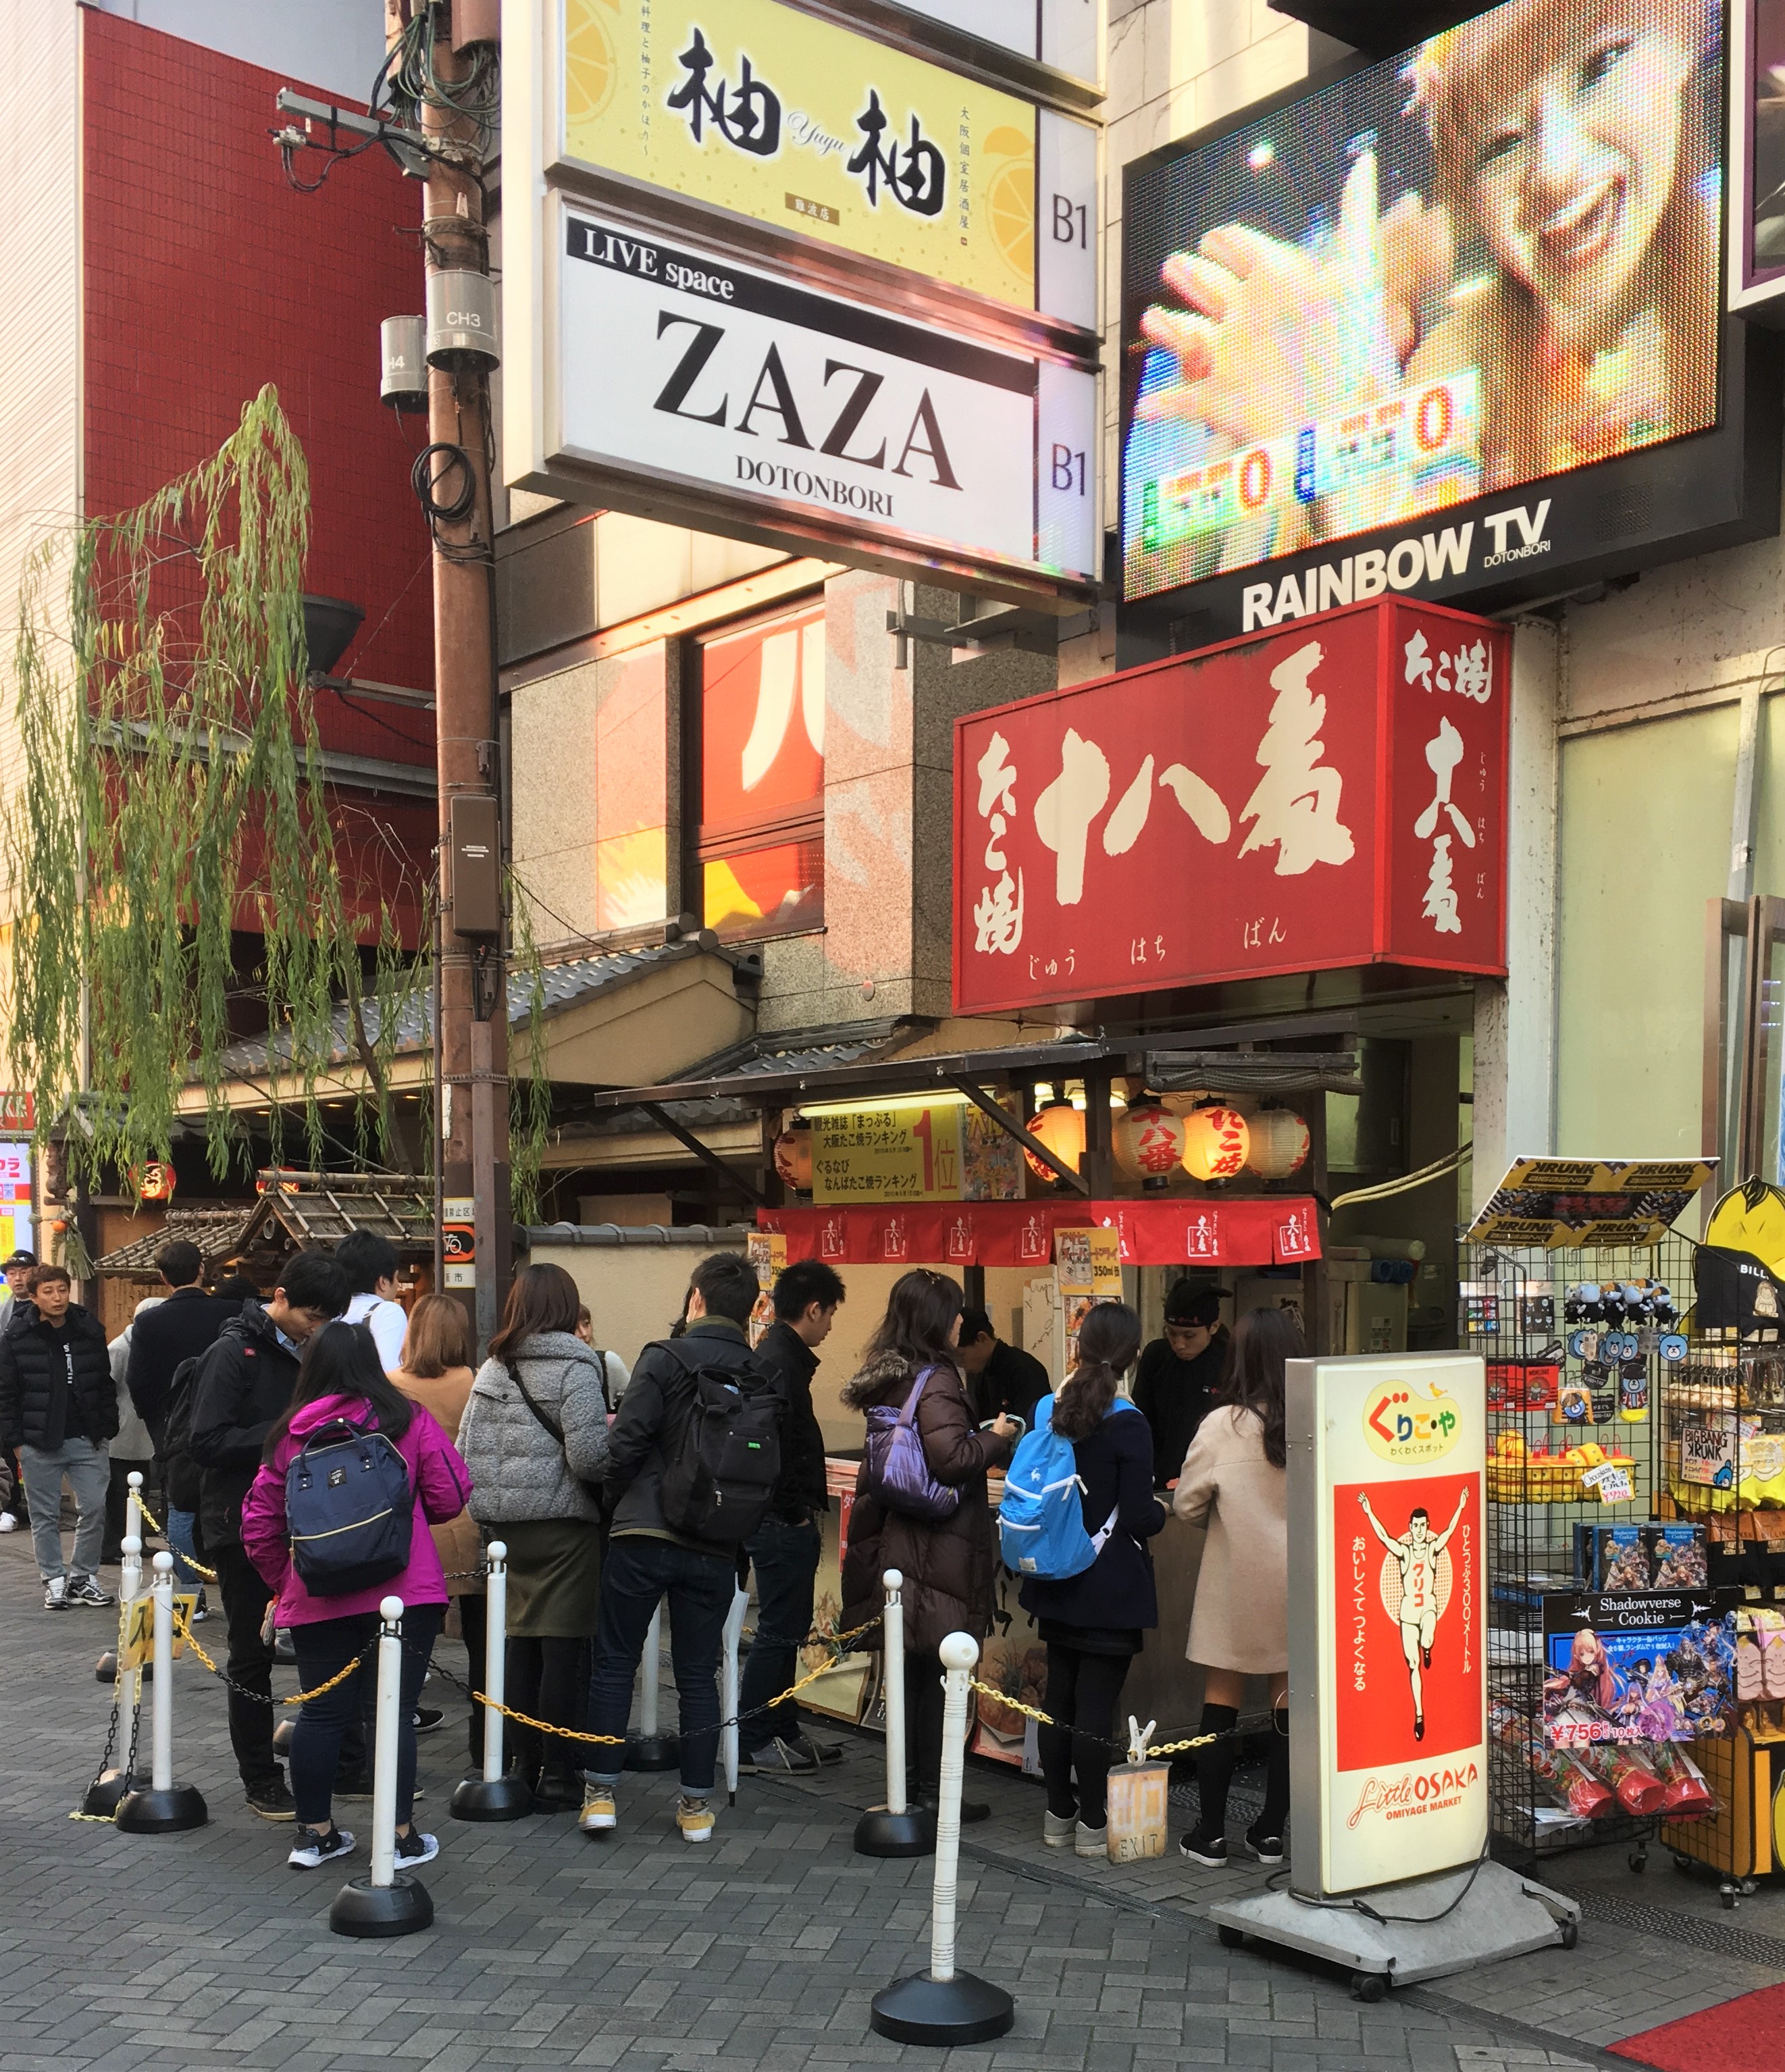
{"x": 751, "y": 107}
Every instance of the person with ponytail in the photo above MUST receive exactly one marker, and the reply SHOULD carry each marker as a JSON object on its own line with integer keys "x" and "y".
{"x": 1092, "y": 1623}
{"x": 1236, "y": 1482}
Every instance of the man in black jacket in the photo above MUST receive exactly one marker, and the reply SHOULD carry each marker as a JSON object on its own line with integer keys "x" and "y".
{"x": 58, "y": 1407}
{"x": 647, "y": 1561}
{"x": 785, "y": 1549}
{"x": 1174, "y": 1384}
{"x": 243, "y": 1389}
{"x": 181, "y": 1328}
{"x": 1002, "y": 1380}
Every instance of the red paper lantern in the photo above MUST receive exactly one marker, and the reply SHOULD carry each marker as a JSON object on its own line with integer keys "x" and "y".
{"x": 793, "y": 1158}
{"x": 1148, "y": 1142}
{"x": 1061, "y": 1127}
{"x": 1217, "y": 1142}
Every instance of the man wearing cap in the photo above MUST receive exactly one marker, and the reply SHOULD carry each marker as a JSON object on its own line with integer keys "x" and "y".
{"x": 1002, "y": 1380}
{"x": 1175, "y": 1382}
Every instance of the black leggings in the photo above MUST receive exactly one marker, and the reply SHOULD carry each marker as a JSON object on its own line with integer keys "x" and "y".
{"x": 923, "y": 1718}
{"x": 547, "y": 1678}
{"x": 1082, "y": 1694}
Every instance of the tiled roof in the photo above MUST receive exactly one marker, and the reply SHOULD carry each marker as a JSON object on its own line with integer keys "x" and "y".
{"x": 217, "y": 1232}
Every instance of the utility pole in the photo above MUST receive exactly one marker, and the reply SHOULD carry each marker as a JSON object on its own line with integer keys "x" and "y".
{"x": 473, "y": 1027}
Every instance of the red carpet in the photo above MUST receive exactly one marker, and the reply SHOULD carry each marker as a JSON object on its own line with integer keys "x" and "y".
{"x": 1742, "y": 2035}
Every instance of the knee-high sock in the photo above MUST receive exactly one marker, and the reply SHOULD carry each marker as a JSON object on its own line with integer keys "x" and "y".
{"x": 1276, "y": 1777}
{"x": 1215, "y": 1767}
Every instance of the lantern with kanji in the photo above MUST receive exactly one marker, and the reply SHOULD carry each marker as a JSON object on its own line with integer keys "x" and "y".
{"x": 153, "y": 1180}
{"x": 1061, "y": 1127}
{"x": 1217, "y": 1142}
{"x": 1279, "y": 1144}
{"x": 1148, "y": 1142}
{"x": 793, "y": 1159}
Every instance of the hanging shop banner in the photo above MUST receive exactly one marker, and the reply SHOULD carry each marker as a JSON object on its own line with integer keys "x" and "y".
{"x": 1566, "y": 1201}
{"x": 1330, "y": 797}
{"x": 759, "y": 111}
{"x": 1271, "y": 1230}
{"x": 946, "y": 1153}
{"x": 1387, "y": 1619}
{"x": 1345, "y": 339}
{"x": 683, "y": 388}
{"x": 1637, "y": 1666}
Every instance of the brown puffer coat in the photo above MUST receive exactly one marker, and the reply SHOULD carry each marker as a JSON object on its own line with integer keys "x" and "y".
{"x": 947, "y": 1564}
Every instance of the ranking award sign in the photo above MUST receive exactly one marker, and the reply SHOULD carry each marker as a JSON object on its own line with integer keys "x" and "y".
{"x": 1388, "y": 1622}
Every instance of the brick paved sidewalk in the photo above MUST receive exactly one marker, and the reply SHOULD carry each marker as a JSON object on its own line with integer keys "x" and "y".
{"x": 639, "y": 1953}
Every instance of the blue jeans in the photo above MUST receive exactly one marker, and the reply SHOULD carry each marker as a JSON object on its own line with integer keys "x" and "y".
{"x": 636, "y": 1575}
{"x": 325, "y": 1647}
{"x": 180, "y": 1541}
{"x": 785, "y": 1560}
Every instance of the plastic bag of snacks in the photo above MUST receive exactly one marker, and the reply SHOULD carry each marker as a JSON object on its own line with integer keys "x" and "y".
{"x": 1571, "y": 1784}
{"x": 1689, "y": 1795}
{"x": 1627, "y": 1770}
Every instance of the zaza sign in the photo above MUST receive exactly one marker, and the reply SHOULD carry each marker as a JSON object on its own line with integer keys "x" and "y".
{"x": 1387, "y": 1620}
{"x": 675, "y": 382}
{"x": 1326, "y": 796}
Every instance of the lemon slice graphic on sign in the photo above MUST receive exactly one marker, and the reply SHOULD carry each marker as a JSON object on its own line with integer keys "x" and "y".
{"x": 591, "y": 70}
{"x": 1010, "y": 197}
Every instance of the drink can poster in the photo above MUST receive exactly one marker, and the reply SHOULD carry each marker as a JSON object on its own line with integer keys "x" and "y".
{"x": 1387, "y": 1619}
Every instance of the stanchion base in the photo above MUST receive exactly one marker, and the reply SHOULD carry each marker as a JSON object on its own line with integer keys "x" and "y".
{"x": 881, "y": 1833}
{"x": 964, "y": 2009}
{"x": 653, "y": 1752}
{"x": 281, "y": 1737}
{"x": 147, "y": 1812}
{"x": 492, "y": 1797}
{"x": 106, "y": 1669}
{"x": 368, "y": 1911}
{"x": 106, "y": 1791}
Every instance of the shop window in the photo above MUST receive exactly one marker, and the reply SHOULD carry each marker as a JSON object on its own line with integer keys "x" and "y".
{"x": 762, "y": 720}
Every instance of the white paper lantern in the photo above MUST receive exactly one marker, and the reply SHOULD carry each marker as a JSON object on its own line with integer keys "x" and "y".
{"x": 1148, "y": 1142}
{"x": 1279, "y": 1143}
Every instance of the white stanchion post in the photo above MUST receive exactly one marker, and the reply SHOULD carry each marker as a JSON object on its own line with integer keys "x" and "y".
{"x": 388, "y": 1902}
{"x": 166, "y": 1807}
{"x": 497, "y": 1795}
{"x": 944, "y": 2006}
{"x": 133, "y": 1510}
{"x": 650, "y": 1748}
{"x": 129, "y": 1584}
{"x": 895, "y": 1829}
{"x": 728, "y": 1695}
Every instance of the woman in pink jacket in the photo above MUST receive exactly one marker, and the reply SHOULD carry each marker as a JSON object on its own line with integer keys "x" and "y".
{"x": 342, "y": 1376}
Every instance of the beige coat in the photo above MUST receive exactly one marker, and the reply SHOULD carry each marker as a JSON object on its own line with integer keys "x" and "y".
{"x": 458, "y": 1543}
{"x": 1241, "y": 1618}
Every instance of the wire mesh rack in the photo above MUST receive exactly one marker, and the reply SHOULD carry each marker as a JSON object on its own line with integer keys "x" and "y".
{"x": 1572, "y": 1343}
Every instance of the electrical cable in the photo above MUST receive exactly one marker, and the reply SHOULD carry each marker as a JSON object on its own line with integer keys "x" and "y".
{"x": 1438, "y": 1167}
{"x": 1353, "y": 1904}
{"x": 426, "y": 484}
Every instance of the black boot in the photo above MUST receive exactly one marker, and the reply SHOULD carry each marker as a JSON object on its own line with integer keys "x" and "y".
{"x": 557, "y": 1784}
{"x": 1265, "y": 1836}
{"x": 1207, "y": 1842}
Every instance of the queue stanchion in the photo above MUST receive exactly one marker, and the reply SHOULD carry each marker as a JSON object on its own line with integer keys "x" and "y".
{"x": 897, "y": 1828}
{"x": 164, "y": 1807}
{"x": 728, "y": 1698}
{"x": 499, "y": 1793}
{"x": 102, "y": 1795}
{"x": 130, "y": 1570}
{"x": 388, "y": 1902}
{"x": 944, "y": 2006}
{"x": 650, "y": 1749}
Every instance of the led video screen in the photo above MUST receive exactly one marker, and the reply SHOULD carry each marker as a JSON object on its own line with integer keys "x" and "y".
{"x": 1492, "y": 259}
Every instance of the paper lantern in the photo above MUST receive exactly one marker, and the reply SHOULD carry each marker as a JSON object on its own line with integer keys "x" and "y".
{"x": 1216, "y": 1143}
{"x": 153, "y": 1180}
{"x": 793, "y": 1158}
{"x": 1061, "y": 1127}
{"x": 1279, "y": 1143}
{"x": 1148, "y": 1142}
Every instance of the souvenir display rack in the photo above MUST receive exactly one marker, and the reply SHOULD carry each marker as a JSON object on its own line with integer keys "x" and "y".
{"x": 1516, "y": 1313}
{"x": 1722, "y": 1466}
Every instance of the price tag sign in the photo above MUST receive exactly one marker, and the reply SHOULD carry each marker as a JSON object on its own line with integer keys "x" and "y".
{"x": 1613, "y": 1485}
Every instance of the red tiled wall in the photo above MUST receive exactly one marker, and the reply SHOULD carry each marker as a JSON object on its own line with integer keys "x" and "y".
{"x": 207, "y": 276}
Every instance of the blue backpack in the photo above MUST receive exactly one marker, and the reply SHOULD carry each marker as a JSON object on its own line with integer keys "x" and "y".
{"x": 1040, "y": 1518}
{"x": 349, "y": 1509}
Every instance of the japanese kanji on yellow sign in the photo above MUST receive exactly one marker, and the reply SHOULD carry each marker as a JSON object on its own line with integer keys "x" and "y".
{"x": 139, "y": 1628}
{"x": 809, "y": 127}
{"x": 943, "y": 1153}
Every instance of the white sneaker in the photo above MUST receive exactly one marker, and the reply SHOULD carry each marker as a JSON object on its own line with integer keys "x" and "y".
{"x": 315, "y": 1850}
{"x": 55, "y": 1594}
{"x": 8, "y": 1522}
{"x": 416, "y": 1848}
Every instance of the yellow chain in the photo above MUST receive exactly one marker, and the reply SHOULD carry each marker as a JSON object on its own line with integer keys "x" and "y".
{"x": 1034, "y": 1713}
{"x": 149, "y": 1519}
{"x": 185, "y": 1632}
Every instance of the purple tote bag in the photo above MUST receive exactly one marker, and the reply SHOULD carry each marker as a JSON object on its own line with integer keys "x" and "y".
{"x": 894, "y": 1470}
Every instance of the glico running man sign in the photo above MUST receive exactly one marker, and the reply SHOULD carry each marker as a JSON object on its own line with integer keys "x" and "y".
{"x": 682, "y": 387}
{"x": 1387, "y": 1619}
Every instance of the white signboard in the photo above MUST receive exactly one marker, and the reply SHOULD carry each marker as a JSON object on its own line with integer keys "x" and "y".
{"x": 1064, "y": 34}
{"x": 678, "y": 384}
{"x": 1387, "y": 1619}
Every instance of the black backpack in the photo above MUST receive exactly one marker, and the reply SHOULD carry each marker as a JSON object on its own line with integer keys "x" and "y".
{"x": 185, "y": 1476}
{"x": 720, "y": 1445}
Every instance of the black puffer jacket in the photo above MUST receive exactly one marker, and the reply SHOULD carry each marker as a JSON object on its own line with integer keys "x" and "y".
{"x": 801, "y": 1489}
{"x": 38, "y": 1368}
{"x": 243, "y": 1390}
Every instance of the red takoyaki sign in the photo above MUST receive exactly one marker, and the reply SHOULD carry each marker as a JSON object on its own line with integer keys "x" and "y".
{"x": 1331, "y": 795}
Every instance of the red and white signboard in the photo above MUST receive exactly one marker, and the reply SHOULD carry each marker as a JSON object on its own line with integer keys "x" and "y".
{"x": 1387, "y": 1620}
{"x": 1329, "y": 795}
